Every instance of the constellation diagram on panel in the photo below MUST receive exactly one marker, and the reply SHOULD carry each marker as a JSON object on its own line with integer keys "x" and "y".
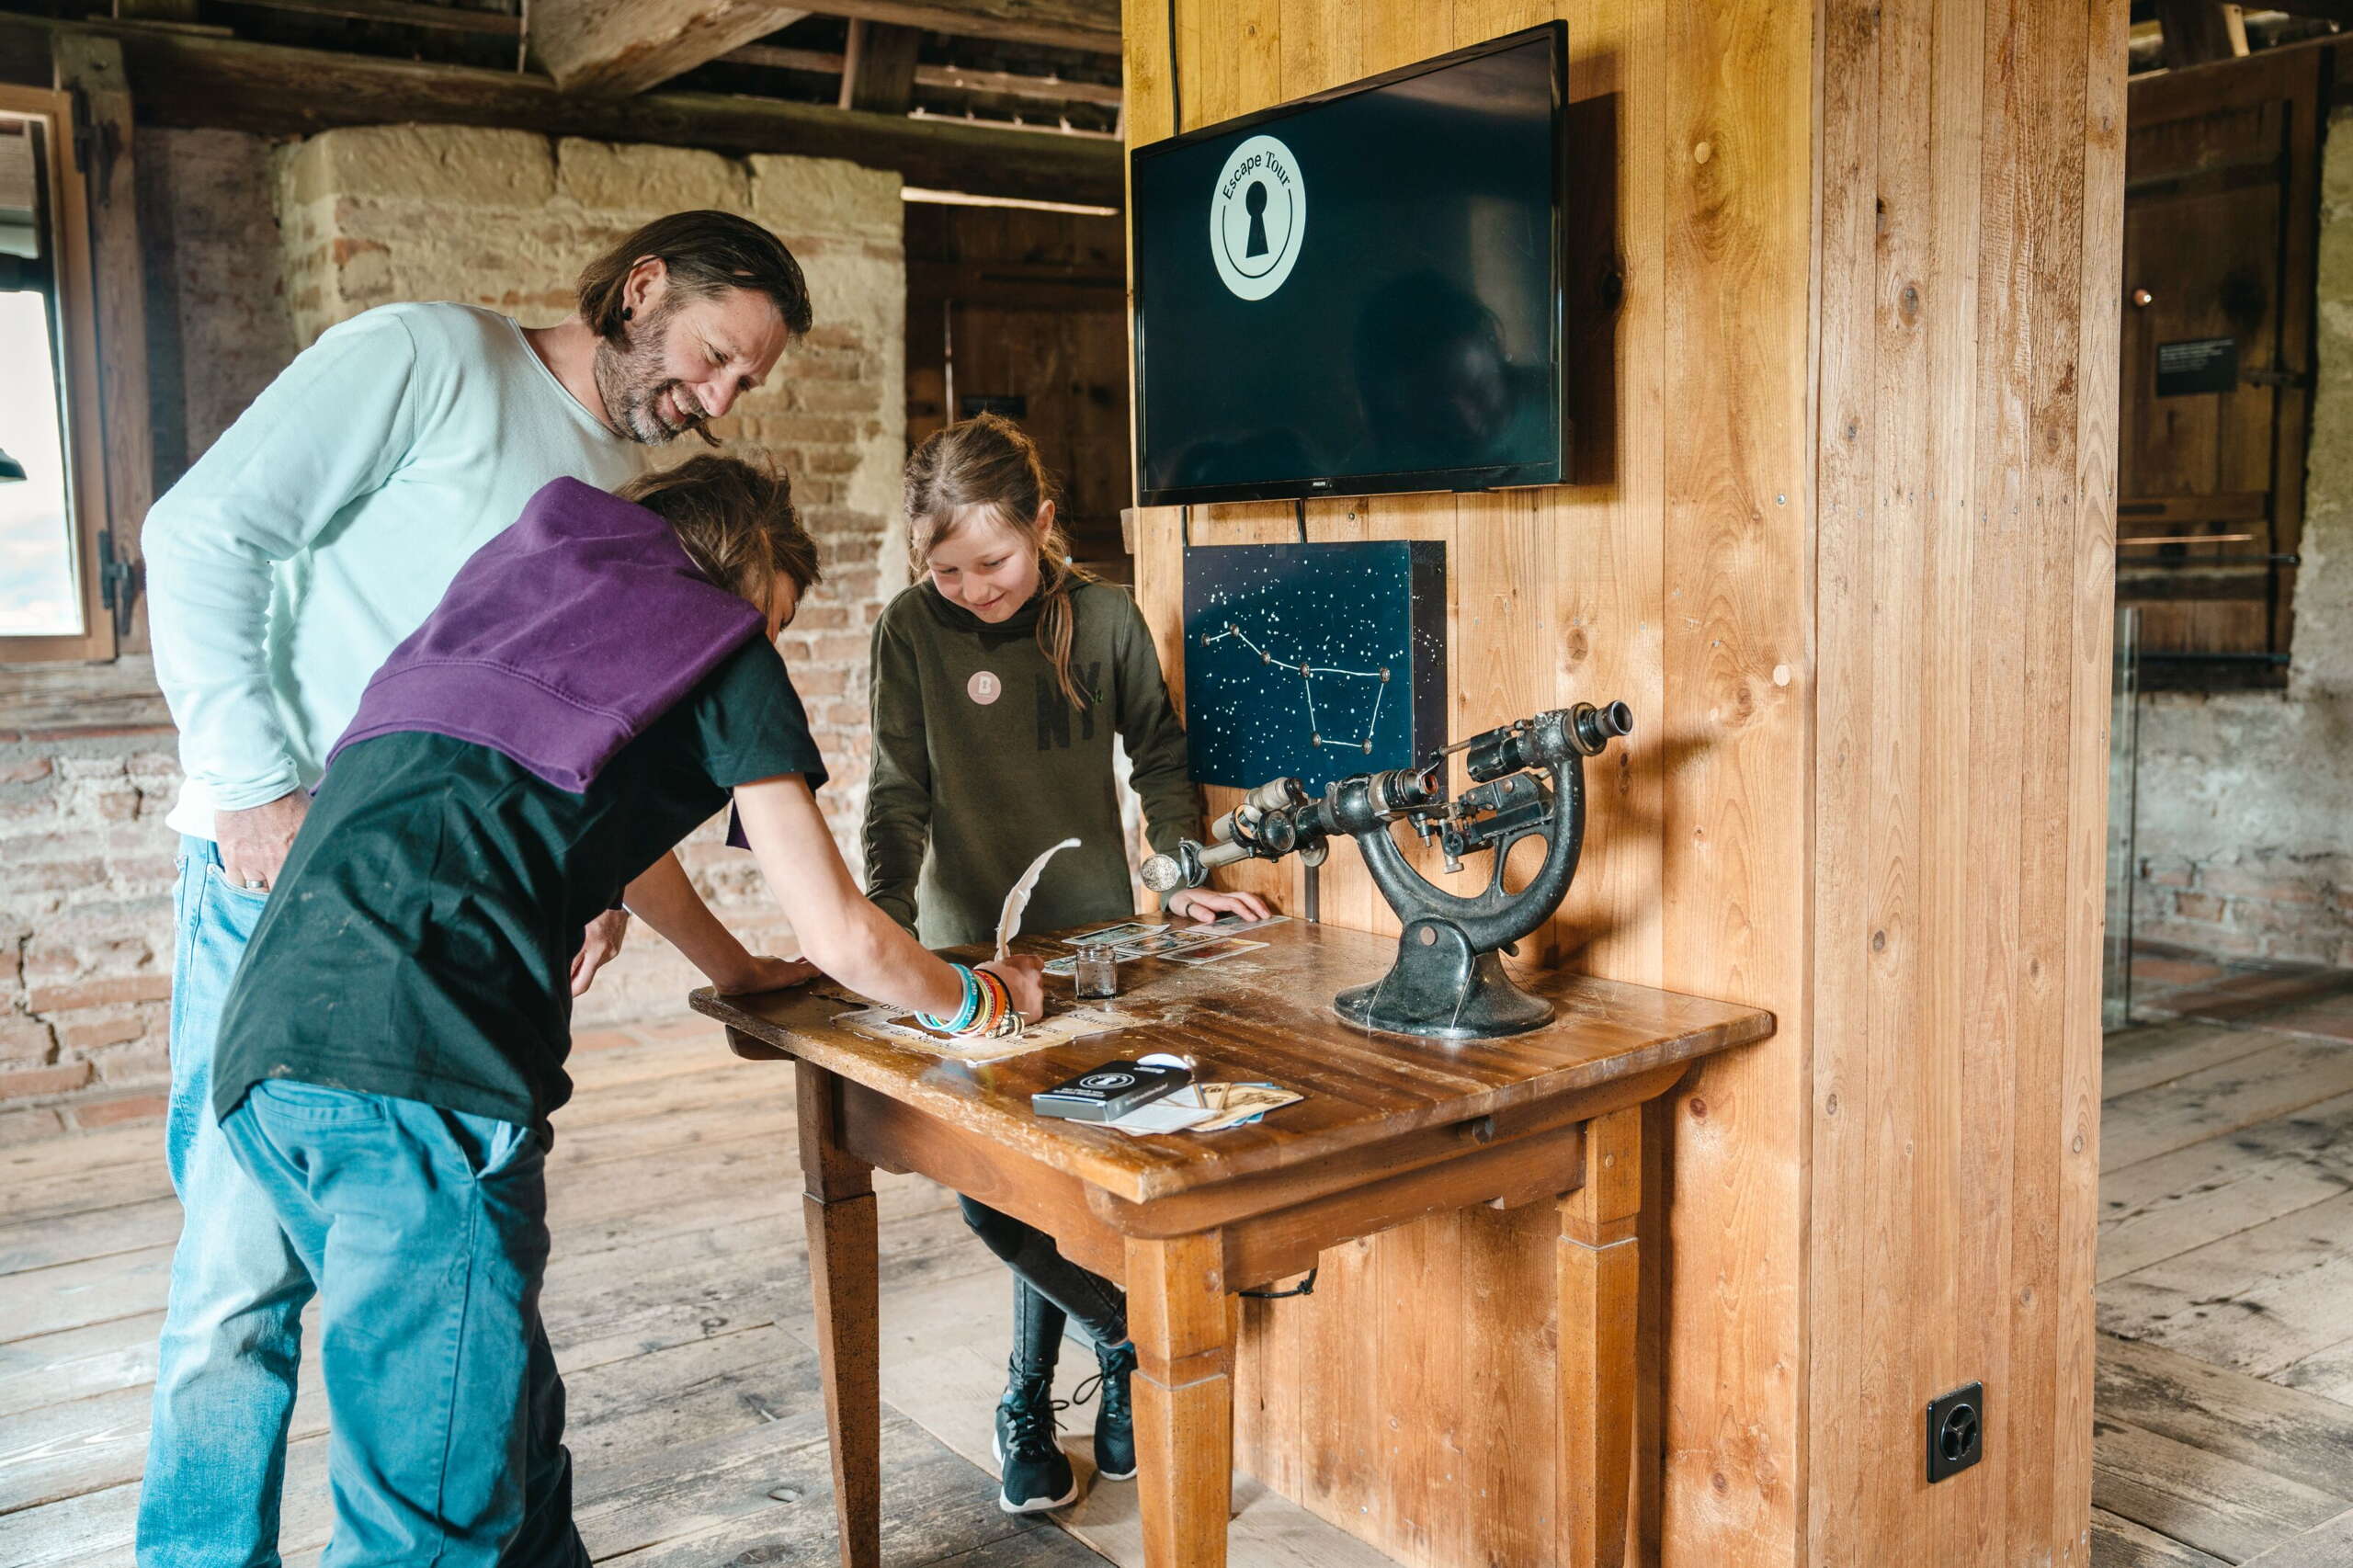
{"x": 1313, "y": 660}
{"x": 1307, "y": 674}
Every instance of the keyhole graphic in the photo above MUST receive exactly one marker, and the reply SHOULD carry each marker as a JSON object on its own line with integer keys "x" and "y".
{"x": 1255, "y": 203}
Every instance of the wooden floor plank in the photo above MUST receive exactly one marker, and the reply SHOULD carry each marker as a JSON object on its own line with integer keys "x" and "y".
{"x": 2219, "y": 1100}
{"x": 766, "y": 1497}
{"x": 2118, "y": 1542}
{"x": 2141, "y": 1058}
{"x": 642, "y": 1194}
{"x": 2283, "y": 1431}
{"x": 77, "y": 1363}
{"x": 2222, "y": 1507}
{"x": 2327, "y": 1374}
{"x": 677, "y": 1292}
{"x": 593, "y": 1072}
{"x": 2161, "y": 1207}
{"x": 636, "y": 1182}
{"x": 674, "y": 1204}
{"x": 665, "y": 1400}
{"x": 2328, "y": 1546}
{"x": 944, "y": 1364}
{"x": 716, "y": 1102}
{"x": 2256, "y": 1302}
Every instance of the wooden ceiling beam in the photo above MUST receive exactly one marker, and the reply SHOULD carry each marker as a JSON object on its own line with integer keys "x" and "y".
{"x": 1007, "y": 84}
{"x": 1089, "y": 25}
{"x": 879, "y": 67}
{"x": 627, "y": 46}
{"x": 406, "y": 13}
{"x": 180, "y": 79}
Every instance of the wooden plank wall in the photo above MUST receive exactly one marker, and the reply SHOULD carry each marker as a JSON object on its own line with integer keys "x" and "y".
{"x": 1846, "y": 552}
{"x": 1971, "y": 235}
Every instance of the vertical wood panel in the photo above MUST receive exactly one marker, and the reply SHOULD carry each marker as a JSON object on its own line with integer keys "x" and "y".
{"x": 1967, "y": 365}
{"x": 1843, "y": 868}
{"x": 1738, "y": 557}
{"x": 1843, "y": 545}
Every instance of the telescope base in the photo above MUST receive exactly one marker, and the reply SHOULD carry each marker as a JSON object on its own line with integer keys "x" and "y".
{"x": 1441, "y": 990}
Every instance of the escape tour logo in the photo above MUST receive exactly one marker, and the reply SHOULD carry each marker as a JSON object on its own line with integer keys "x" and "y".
{"x": 1258, "y": 216}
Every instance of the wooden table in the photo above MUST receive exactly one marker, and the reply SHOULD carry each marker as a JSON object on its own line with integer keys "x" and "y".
{"x": 1393, "y": 1129}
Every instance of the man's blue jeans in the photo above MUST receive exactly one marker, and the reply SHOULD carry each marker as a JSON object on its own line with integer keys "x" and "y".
{"x": 427, "y": 1231}
{"x": 233, "y": 1334}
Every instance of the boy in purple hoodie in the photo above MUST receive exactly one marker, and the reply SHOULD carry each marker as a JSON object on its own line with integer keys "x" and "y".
{"x": 597, "y": 681}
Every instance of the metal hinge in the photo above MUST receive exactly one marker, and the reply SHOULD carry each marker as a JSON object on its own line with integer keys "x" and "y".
{"x": 117, "y": 582}
{"x": 96, "y": 145}
{"x": 2276, "y": 378}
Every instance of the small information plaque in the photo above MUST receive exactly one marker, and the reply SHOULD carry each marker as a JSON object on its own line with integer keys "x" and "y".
{"x": 2197, "y": 365}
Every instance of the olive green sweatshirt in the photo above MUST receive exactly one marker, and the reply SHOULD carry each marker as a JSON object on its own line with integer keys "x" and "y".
{"x": 980, "y": 762}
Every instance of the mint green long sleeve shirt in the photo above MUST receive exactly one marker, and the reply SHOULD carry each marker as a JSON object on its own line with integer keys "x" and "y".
{"x": 324, "y": 526}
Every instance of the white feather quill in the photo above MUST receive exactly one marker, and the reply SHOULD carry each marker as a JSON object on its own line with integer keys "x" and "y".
{"x": 1009, "y": 924}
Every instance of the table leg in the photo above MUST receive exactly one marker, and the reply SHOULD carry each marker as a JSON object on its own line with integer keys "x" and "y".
{"x": 839, "y": 1210}
{"x": 1600, "y": 1287}
{"x": 1177, "y": 1314}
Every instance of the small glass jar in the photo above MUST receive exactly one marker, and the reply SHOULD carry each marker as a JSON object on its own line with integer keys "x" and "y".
{"x": 1095, "y": 973}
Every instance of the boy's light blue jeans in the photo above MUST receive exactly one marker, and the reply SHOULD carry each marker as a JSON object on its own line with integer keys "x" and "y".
{"x": 232, "y": 1340}
{"x": 427, "y": 1231}
{"x": 233, "y": 1334}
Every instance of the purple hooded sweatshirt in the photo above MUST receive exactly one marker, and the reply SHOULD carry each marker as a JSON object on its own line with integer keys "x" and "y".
{"x": 560, "y": 641}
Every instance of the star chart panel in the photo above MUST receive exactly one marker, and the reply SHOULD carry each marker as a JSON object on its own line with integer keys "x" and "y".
{"x": 1314, "y": 660}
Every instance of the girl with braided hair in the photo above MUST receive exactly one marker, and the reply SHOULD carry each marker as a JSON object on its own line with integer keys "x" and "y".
{"x": 1001, "y": 680}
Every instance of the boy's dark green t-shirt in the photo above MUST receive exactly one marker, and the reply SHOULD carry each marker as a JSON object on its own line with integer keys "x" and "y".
{"x": 420, "y": 940}
{"x": 980, "y": 762}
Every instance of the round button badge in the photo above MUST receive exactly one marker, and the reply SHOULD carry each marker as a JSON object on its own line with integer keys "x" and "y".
{"x": 984, "y": 687}
{"x": 1258, "y": 216}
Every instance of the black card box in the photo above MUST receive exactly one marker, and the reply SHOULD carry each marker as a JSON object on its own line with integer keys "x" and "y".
{"x": 1109, "y": 1092}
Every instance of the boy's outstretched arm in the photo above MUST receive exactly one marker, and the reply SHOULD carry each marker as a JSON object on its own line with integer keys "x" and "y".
{"x": 841, "y": 932}
{"x": 665, "y": 898}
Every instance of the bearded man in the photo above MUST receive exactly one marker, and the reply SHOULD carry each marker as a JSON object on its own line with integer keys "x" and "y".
{"x": 315, "y": 535}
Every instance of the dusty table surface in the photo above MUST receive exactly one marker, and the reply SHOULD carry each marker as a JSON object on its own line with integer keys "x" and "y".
{"x": 1262, "y": 1015}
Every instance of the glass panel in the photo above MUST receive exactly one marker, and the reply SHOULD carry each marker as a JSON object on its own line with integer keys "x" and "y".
{"x": 39, "y": 595}
{"x": 2123, "y": 796}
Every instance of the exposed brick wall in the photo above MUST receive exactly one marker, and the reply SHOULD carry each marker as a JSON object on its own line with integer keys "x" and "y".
{"x": 85, "y": 923}
{"x": 2292, "y": 908}
{"x": 217, "y": 325}
{"x": 254, "y": 251}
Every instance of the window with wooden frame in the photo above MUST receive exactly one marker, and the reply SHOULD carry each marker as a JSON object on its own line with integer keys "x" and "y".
{"x": 2220, "y": 217}
{"x": 54, "y": 590}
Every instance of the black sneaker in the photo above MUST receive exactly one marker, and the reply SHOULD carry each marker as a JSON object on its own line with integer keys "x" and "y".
{"x": 1115, "y": 1424}
{"x": 1035, "y": 1473}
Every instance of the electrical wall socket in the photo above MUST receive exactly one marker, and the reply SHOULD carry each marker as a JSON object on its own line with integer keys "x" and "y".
{"x": 1956, "y": 1431}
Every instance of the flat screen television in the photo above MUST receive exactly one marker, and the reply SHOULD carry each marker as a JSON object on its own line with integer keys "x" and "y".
{"x": 1358, "y": 292}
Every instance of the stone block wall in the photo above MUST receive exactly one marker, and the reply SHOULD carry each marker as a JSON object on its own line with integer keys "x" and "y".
{"x": 254, "y": 250}
{"x": 506, "y": 219}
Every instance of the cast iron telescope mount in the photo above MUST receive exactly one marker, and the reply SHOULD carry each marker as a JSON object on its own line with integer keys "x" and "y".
{"x": 1447, "y": 981}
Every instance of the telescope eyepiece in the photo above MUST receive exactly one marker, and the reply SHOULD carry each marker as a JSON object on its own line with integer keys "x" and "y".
{"x": 1597, "y": 727}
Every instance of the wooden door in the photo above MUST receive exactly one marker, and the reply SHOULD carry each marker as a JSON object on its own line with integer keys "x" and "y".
{"x": 2220, "y": 217}
{"x": 1024, "y": 312}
